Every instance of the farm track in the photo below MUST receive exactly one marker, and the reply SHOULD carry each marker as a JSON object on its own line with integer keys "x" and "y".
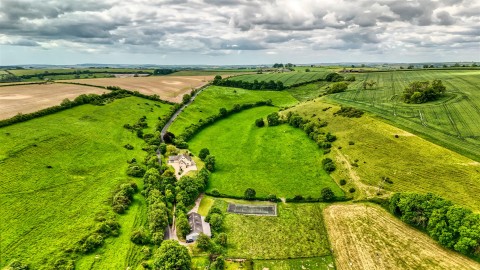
{"x": 365, "y": 236}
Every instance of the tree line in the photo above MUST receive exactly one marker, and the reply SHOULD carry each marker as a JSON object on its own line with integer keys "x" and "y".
{"x": 451, "y": 225}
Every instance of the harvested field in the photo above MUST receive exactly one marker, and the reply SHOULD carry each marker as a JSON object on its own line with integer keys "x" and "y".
{"x": 34, "y": 97}
{"x": 365, "y": 236}
{"x": 171, "y": 88}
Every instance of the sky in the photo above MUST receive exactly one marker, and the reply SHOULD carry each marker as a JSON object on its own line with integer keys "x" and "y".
{"x": 241, "y": 32}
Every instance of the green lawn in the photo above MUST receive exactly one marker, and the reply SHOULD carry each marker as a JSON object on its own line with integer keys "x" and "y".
{"x": 452, "y": 121}
{"x": 43, "y": 210}
{"x": 214, "y": 97}
{"x": 297, "y": 231}
{"x": 277, "y": 160}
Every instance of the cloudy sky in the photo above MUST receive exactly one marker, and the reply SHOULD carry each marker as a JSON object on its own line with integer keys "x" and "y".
{"x": 237, "y": 31}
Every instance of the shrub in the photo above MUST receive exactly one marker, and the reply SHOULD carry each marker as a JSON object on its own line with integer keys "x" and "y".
{"x": 349, "y": 112}
{"x": 351, "y": 190}
{"x": 351, "y": 143}
{"x": 203, "y": 242}
{"x": 168, "y": 137}
{"x": 128, "y": 146}
{"x": 328, "y": 165}
{"x": 221, "y": 239}
{"x": 327, "y": 194}
{"x": 135, "y": 170}
{"x": 219, "y": 264}
{"x": 250, "y": 194}
{"x": 91, "y": 243}
{"x": 273, "y": 119}
{"x": 337, "y": 88}
{"x": 343, "y": 182}
{"x": 215, "y": 192}
{"x": 140, "y": 237}
{"x": 216, "y": 221}
{"x": 210, "y": 163}
{"x": 204, "y": 153}
{"x": 272, "y": 197}
{"x": 259, "y": 122}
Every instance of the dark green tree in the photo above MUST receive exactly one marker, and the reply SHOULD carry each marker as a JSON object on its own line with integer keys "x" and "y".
{"x": 327, "y": 195}
{"x": 250, "y": 194}
{"x": 172, "y": 256}
{"x": 204, "y": 153}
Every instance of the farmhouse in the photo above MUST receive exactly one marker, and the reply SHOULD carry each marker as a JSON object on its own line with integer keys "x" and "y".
{"x": 182, "y": 164}
{"x": 197, "y": 226}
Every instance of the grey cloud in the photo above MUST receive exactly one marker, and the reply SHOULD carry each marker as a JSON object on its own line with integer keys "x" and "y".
{"x": 445, "y": 18}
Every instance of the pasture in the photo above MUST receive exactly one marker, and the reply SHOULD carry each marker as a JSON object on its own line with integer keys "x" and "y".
{"x": 287, "y": 78}
{"x": 60, "y": 170}
{"x": 410, "y": 162}
{"x": 279, "y": 160}
{"x": 297, "y": 231}
{"x": 316, "y": 263}
{"x": 171, "y": 88}
{"x": 365, "y": 236}
{"x": 50, "y": 71}
{"x": 451, "y": 121}
{"x": 33, "y": 97}
{"x": 213, "y": 98}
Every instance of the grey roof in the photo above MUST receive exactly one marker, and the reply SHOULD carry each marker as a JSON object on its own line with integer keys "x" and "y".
{"x": 195, "y": 221}
{"x": 175, "y": 158}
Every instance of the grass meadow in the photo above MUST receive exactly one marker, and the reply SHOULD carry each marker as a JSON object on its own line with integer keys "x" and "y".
{"x": 288, "y": 78}
{"x": 297, "y": 232}
{"x": 367, "y": 150}
{"x": 213, "y": 98}
{"x": 43, "y": 210}
{"x": 451, "y": 121}
{"x": 317, "y": 263}
{"x": 279, "y": 160}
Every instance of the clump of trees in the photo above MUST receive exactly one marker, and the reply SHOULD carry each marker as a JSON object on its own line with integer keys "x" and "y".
{"x": 328, "y": 165}
{"x": 172, "y": 256}
{"x": 423, "y": 91}
{"x": 313, "y": 130}
{"x": 273, "y": 119}
{"x": 334, "y": 77}
{"x": 337, "y": 87}
{"x": 259, "y": 122}
{"x": 123, "y": 197}
{"x": 349, "y": 112}
{"x": 451, "y": 225}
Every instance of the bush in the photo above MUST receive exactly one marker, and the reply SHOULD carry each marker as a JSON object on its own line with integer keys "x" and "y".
{"x": 272, "y": 198}
{"x": 334, "y": 77}
{"x": 215, "y": 192}
{"x": 91, "y": 243}
{"x": 216, "y": 221}
{"x": 343, "y": 182}
{"x": 221, "y": 239}
{"x": 337, "y": 88}
{"x": 210, "y": 163}
{"x": 140, "y": 237}
{"x": 351, "y": 143}
{"x": 135, "y": 170}
{"x": 259, "y": 122}
{"x": 328, "y": 165}
{"x": 128, "y": 146}
{"x": 273, "y": 119}
{"x": 250, "y": 194}
{"x": 327, "y": 194}
{"x": 351, "y": 190}
{"x": 204, "y": 153}
{"x": 203, "y": 242}
{"x": 349, "y": 112}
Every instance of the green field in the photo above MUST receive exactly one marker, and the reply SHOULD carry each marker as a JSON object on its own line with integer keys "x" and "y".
{"x": 215, "y": 97}
{"x": 451, "y": 121}
{"x": 308, "y": 91}
{"x": 288, "y": 78}
{"x": 297, "y": 231}
{"x": 318, "y": 263}
{"x": 210, "y": 72}
{"x": 44, "y": 210}
{"x": 21, "y": 72}
{"x": 277, "y": 160}
{"x": 412, "y": 163}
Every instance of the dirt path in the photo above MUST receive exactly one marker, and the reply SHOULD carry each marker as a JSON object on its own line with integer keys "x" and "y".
{"x": 366, "y": 190}
{"x": 197, "y": 204}
{"x": 365, "y": 236}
